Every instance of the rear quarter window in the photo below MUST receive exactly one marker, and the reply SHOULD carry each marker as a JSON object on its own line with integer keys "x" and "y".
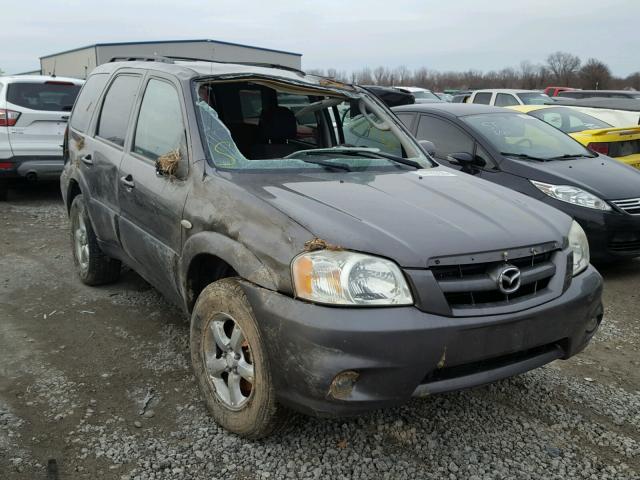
{"x": 116, "y": 108}
{"x": 87, "y": 100}
{"x": 49, "y": 96}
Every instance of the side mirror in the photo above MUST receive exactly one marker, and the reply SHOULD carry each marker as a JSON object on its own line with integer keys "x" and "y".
{"x": 170, "y": 165}
{"x": 428, "y": 146}
{"x": 466, "y": 160}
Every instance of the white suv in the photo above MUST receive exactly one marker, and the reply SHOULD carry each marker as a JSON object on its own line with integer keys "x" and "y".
{"x": 34, "y": 110}
{"x": 508, "y": 97}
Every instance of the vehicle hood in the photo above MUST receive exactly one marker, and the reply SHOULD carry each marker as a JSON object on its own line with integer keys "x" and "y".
{"x": 409, "y": 216}
{"x": 603, "y": 176}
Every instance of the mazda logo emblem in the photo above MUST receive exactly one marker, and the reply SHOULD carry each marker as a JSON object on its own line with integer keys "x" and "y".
{"x": 508, "y": 279}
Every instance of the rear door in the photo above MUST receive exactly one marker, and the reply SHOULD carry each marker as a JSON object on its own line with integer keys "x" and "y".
{"x": 101, "y": 154}
{"x": 44, "y": 107}
{"x": 152, "y": 201}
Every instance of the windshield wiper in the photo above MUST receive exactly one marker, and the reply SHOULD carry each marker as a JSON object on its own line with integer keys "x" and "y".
{"x": 356, "y": 151}
{"x": 524, "y": 155}
{"x": 569, "y": 156}
{"x": 338, "y": 166}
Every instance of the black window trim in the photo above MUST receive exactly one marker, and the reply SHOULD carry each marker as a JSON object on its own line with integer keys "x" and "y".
{"x": 96, "y": 120}
{"x": 136, "y": 112}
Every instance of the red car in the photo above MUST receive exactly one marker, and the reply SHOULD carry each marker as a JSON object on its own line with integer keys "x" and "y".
{"x": 553, "y": 91}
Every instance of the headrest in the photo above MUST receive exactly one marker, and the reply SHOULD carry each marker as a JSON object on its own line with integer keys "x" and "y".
{"x": 278, "y": 124}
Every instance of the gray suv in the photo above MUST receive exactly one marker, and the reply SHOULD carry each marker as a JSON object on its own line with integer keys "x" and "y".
{"x": 327, "y": 263}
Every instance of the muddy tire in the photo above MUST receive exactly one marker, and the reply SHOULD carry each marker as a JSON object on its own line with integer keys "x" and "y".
{"x": 231, "y": 364}
{"x": 92, "y": 265}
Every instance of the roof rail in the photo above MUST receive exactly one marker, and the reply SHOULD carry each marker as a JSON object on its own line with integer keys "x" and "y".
{"x": 255, "y": 64}
{"x": 141, "y": 59}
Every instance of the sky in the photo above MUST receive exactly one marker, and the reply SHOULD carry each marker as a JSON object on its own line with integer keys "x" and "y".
{"x": 348, "y": 35}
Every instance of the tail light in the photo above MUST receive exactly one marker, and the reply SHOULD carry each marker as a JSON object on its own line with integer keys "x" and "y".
{"x": 8, "y": 118}
{"x": 599, "y": 147}
{"x": 6, "y": 165}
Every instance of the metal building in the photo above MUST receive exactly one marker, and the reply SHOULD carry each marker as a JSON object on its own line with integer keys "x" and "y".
{"x": 79, "y": 62}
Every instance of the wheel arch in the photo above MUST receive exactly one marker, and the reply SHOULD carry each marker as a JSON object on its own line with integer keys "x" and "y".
{"x": 210, "y": 256}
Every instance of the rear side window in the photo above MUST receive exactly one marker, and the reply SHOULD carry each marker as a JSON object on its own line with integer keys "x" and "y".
{"x": 87, "y": 101}
{"x": 51, "y": 96}
{"x": 505, "y": 100}
{"x": 160, "y": 128}
{"x": 116, "y": 108}
{"x": 483, "y": 98}
{"x": 446, "y": 137}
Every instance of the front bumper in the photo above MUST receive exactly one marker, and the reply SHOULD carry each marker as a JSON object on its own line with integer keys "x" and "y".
{"x": 36, "y": 168}
{"x": 612, "y": 235}
{"x": 398, "y": 353}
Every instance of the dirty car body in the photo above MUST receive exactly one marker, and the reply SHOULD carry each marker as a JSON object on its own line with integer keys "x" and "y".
{"x": 276, "y": 180}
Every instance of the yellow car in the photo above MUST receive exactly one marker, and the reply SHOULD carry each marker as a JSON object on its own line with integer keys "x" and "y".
{"x": 623, "y": 144}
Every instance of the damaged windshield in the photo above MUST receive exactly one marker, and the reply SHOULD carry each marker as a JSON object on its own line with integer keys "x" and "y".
{"x": 263, "y": 124}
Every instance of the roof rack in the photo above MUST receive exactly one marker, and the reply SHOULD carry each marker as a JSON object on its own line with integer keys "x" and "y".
{"x": 254, "y": 64}
{"x": 142, "y": 59}
{"x": 172, "y": 58}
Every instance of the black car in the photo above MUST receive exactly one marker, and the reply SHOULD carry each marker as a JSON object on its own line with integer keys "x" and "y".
{"x": 319, "y": 272}
{"x": 527, "y": 155}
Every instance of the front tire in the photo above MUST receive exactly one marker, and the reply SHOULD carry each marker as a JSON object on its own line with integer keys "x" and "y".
{"x": 231, "y": 364}
{"x": 92, "y": 265}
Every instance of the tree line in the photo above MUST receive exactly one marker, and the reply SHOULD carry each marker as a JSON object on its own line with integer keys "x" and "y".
{"x": 560, "y": 69}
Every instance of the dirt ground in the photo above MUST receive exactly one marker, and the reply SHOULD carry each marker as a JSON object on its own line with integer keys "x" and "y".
{"x": 99, "y": 380}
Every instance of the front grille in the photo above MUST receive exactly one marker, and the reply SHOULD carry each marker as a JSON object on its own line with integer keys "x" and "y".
{"x": 630, "y": 205}
{"x": 472, "y": 285}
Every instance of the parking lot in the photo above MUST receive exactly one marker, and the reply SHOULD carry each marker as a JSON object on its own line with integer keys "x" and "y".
{"x": 99, "y": 380}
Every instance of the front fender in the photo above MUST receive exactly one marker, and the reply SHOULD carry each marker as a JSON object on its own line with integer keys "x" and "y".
{"x": 239, "y": 257}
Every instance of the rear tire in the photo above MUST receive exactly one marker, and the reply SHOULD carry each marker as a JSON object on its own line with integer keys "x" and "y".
{"x": 227, "y": 350}
{"x": 93, "y": 266}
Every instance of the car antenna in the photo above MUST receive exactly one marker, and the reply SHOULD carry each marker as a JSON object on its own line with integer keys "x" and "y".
{"x": 54, "y": 67}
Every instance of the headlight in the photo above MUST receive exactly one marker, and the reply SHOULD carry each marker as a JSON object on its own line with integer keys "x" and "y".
{"x": 346, "y": 278}
{"x": 574, "y": 195}
{"x": 580, "y": 246}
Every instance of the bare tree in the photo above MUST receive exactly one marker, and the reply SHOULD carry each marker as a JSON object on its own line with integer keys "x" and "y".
{"x": 561, "y": 69}
{"x": 563, "y": 66}
{"x": 633, "y": 81}
{"x": 529, "y": 75}
{"x": 595, "y": 74}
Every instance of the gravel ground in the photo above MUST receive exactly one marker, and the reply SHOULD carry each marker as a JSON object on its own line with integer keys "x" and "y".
{"x": 98, "y": 379}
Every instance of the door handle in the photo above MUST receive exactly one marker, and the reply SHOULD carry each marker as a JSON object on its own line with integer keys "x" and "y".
{"x": 87, "y": 160}
{"x": 127, "y": 181}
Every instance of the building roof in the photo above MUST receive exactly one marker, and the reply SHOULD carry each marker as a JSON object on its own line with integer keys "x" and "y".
{"x": 207, "y": 40}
